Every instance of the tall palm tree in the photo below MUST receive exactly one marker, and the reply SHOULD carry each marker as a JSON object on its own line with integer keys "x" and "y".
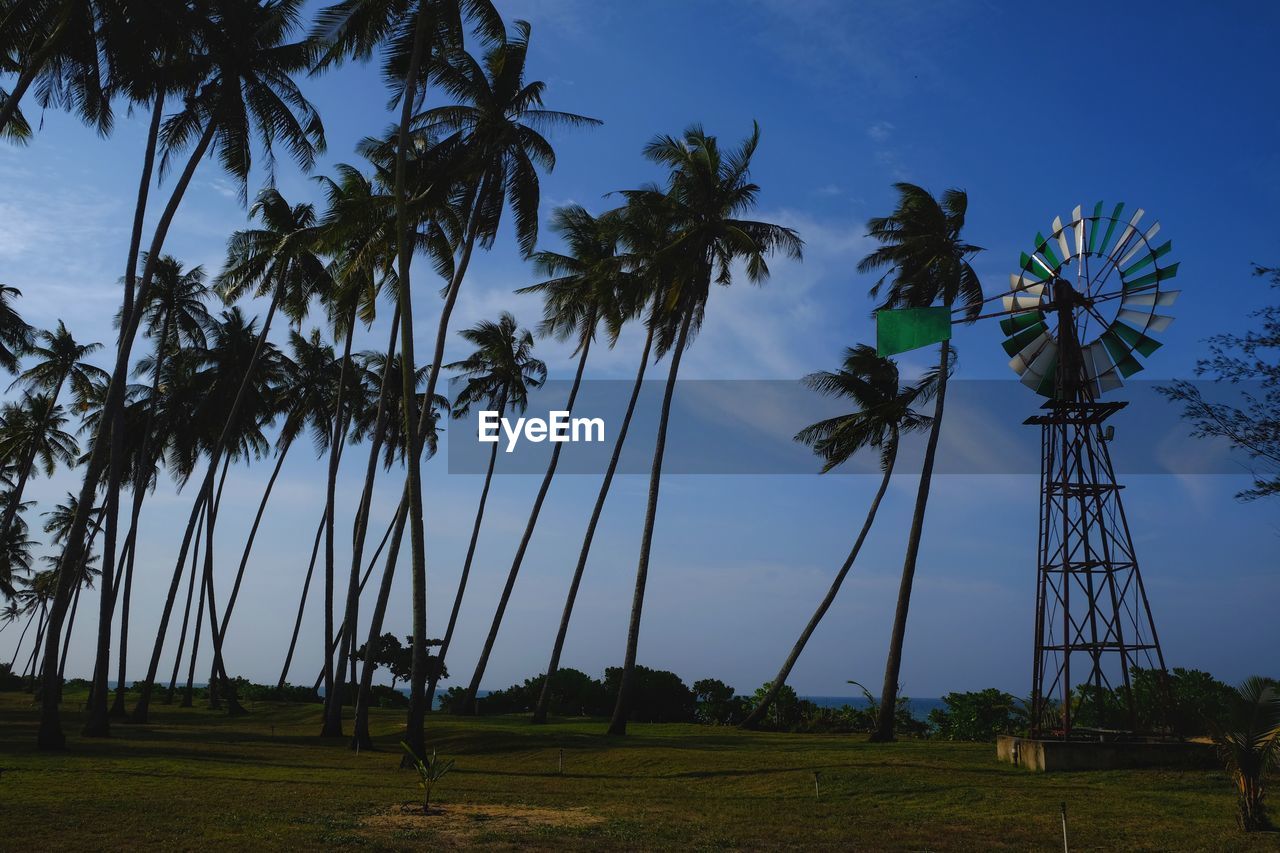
{"x": 412, "y": 32}
{"x": 15, "y": 563}
{"x": 176, "y": 315}
{"x": 498, "y": 126}
{"x": 579, "y": 296}
{"x": 638, "y": 280}
{"x": 499, "y": 373}
{"x": 883, "y": 416}
{"x": 926, "y": 262}
{"x": 244, "y": 90}
{"x": 707, "y": 192}
{"x": 60, "y": 363}
{"x": 16, "y": 335}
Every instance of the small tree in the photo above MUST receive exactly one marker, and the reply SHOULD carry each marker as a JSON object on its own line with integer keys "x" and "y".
{"x": 430, "y": 769}
{"x": 1250, "y": 747}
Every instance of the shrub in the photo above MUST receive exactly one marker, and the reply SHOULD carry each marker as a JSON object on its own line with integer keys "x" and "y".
{"x": 978, "y": 716}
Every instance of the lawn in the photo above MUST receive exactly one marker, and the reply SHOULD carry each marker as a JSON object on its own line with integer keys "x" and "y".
{"x": 194, "y": 778}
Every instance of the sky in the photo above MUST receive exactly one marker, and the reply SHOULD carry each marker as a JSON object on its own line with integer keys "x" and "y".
{"x": 1032, "y": 109}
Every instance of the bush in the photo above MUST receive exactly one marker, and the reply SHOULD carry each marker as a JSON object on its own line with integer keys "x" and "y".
{"x": 978, "y": 716}
{"x": 657, "y": 696}
{"x": 716, "y": 703}
{"x": 9, "y": 681}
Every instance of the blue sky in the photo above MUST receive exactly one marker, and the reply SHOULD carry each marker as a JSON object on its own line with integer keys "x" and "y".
{"x": 1031, "y": 109}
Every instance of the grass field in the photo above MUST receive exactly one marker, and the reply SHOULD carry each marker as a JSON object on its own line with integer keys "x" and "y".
{"x": 195, "y": 779}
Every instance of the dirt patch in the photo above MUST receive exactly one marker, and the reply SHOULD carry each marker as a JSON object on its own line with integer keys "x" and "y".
{"x": 463, "y": 823}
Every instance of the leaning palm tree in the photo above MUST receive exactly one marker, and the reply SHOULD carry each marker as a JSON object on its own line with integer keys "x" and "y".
{"x": 883, "y": 416}
{"x": 926, "y": 262}
{"x": 707, "y": 192}
{"x": 579, "y": 296}
{"x": 499, "y": 374}
{"x": 242, "y": 91}
{"x": 175, "y": 315}
{"x": 1249, "y": 743}
{"x": 413, "y": 33}
{"x": 637, "y": 281}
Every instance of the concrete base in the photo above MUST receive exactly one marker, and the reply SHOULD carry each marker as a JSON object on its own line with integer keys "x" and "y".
{"x": 1051, "y": 756}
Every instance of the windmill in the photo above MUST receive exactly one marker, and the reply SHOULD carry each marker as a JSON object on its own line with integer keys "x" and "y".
{"x": 1079, "y": 315}
{"x": 1082, "y": 311}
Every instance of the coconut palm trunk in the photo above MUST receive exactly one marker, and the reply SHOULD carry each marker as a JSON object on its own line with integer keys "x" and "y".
{"x": 618, "y": 725}
{"x": 302, "y": 605}
{"x": 758, "y": 713}
{"x": 188, "y": 693}
{"x": 253, "y": 533}
{"x": 360, "y": 738}
{"x": 466, "y": 573}
{"x": 66, "y": 640}
{"x": 186, "y": 614}
{"x": 889, "y": 692}
{"x": 50, "y": 736}
{"x": 474, "y": 687}
{"x": 333, "y": 687}
{"x": 544, "y": 698}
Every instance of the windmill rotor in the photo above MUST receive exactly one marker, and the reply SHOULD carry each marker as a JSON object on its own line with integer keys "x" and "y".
{"x": 1106, "y": 274}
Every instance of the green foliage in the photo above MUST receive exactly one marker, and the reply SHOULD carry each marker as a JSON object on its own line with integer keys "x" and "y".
{"x": 9, "y": 681}
{"x": 978, "y": 716}
{"x": 1249, "y": 744}
{"x": 657, "y": 696}
{"x": 717, "y": 704}
{"x": 431, "y": 769}
{"x": 388, "y": 652}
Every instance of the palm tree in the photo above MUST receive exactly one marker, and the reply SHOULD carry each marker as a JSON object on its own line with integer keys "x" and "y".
{"x": 926, "y": 261}
{"x": 498, "y": 374}
{"x": 706, "y": 193}
{"x": 413, "y": 32}
{"x": 175, "y": 316}
{"x": 53, "y": 44}
{"x": 639, "y": 279}
{"x": 883, "y": 416}
{"x": 15, "y": 563}
{"x": 304, "y": 394}
{"x": 15, "y": 334}
{"x": 60, "y": 363}
{"x": 580, "y": 295}
{"x": 1250, "y": 747}
{"x": 244, "y": 90}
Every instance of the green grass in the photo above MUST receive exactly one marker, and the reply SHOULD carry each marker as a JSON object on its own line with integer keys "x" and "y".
{"x": 194, "y": 778}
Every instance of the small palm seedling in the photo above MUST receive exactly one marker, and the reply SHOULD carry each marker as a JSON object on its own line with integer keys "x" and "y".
{"x": 430, "y": 770}
{"x": 1250, "y": 747}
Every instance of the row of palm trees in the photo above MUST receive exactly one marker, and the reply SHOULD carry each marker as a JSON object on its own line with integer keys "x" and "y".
{"x": 219, "y": 76}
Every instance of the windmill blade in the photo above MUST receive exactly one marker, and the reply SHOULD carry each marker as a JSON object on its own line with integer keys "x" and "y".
{"x": 1126, "y": 234}
{"x": 1021, "y": 362}
{"x": 1040, "y": 372}
{"x": 1120, "y": 352}
{"x": 1025, "y": 337}
{"x": 1151, "y": 257}
{"x": 1062, "y": 238}
{"x": 1016, "y": 323}
{"x": 1028, "y": 261}
{"x": 1021, "y": 281}
{"x": 1093, "y": 226}
{"x": 1151, "y": 278}
{"x": 1133, "y": 327}
{"x": 1161, "y": 299}
{"x": 1022, "y": 301}
{"x": 1099, "y": 370}
{"x": 1141, "y": 244}
{"x": 1079, "y": 228}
